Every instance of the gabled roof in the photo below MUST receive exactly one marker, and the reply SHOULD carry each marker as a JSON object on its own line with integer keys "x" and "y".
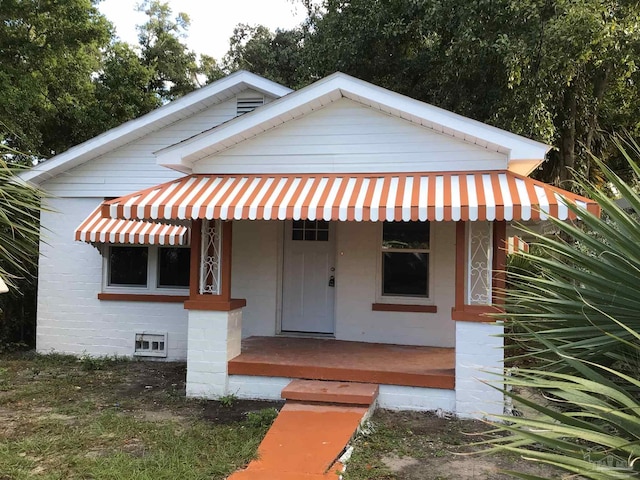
{"x": 186, "y": 106}
{"x": 523, "y": 154}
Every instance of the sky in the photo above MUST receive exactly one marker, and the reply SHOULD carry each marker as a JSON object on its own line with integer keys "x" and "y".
{"x": 212, "y": 21}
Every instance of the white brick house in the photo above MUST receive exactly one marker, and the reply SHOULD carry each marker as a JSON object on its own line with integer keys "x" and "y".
{"x": 338, "y": 232}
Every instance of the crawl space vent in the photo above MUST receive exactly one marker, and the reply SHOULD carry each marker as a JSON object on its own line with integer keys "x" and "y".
{"x": 151, "y": 345}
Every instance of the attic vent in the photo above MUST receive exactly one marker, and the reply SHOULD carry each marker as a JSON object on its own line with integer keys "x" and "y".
{"x": 248, "y": 104}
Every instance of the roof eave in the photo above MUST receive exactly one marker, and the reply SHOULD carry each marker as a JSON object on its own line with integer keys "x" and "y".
{"x": 100, "y": 144}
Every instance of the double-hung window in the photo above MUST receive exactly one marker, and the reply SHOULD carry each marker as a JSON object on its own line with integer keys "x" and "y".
{"x": 405, "y": 260}
{"x": 146, "y": 269}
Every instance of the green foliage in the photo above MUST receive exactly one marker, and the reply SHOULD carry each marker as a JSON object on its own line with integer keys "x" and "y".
{"x": 576, "y": 316}
{"x": 48, "y": 52}
{"x": 277, "y": 56}
{"x": 261, "y": 419}
{"x": 585, "y": 298}
{"x": 20, "y": 206}
{"x": 228, "y": 400}
{"x": 172, "y": 66}
{"x": 64, "y": 77}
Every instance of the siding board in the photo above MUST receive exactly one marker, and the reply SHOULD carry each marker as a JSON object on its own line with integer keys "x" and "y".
{"x": 349, "y": 137}
{"x": 133, "y": 166}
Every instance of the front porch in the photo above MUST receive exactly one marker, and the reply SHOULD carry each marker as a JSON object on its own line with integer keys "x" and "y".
{"x": 328, "y": 359}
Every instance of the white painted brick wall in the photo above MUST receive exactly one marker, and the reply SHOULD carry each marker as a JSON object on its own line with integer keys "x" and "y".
{"x": 214, "y": 338}
{"x": 70, "y": 317}
{"x": 257, "y": 388}
{"x": 392, "y": 397}
{"x": 396, "y": 397}
{"x": 358, "y": 248}
{"x": 255, "y": 274}
{"x": 478, "y": 353}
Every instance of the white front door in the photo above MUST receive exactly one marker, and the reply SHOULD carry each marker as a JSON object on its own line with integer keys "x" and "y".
{"x": 308, "y": 280}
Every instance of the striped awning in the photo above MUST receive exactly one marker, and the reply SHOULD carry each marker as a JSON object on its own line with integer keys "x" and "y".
{"x": 500, "y": 195}
{"x": 97, "y": 229}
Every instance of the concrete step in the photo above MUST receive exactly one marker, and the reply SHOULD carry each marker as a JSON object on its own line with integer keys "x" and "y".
{"x": 341, "y": 393}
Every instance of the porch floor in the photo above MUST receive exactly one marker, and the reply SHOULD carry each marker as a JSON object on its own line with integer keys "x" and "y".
{"x": 326, "y": 359}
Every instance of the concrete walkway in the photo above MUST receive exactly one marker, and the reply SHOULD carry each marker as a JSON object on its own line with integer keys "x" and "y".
{"x": 311, "y": 431}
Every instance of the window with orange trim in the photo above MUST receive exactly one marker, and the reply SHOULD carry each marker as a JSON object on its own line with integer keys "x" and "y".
{"x": 146, "y": 269}
{"x": 405, "y": 262}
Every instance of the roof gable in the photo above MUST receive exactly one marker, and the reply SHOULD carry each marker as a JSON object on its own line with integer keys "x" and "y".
{"x": 184, "y": 107}
{"x": 523, "y": 154}
{"x": 346, "y": 137}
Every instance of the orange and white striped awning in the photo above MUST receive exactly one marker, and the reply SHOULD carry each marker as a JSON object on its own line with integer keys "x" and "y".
{"x": 499, "y": 195}
{"x": 516, "y": 245}
{"x": 97, "y": 229}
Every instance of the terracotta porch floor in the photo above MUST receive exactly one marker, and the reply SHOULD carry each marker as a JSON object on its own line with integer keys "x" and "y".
{"x": 326, "y": 359}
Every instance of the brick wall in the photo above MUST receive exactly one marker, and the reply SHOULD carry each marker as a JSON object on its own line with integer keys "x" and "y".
{"x": 71, "y": 319}
{"x": 478, "y": 353}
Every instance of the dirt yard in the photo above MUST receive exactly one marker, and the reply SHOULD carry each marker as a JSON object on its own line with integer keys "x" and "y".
{"x": 68, "y": 418}
{"x": 423, "y": 446}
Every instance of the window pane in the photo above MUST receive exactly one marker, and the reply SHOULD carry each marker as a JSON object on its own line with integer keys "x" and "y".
{"x": 128, "y": 266}
{"x": 405, "y": 274}
{"x": 414, "y": 235}
{"x": 173, "y": 267}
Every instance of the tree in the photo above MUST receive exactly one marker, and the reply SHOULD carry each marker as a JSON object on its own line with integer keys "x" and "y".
{"x": 274, "y": 55}
{"x": 172, "y": 65}
{"x": 123, "y": 87}
{"x": 48, "y": 53}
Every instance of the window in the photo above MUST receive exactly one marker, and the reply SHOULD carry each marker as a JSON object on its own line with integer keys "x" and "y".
{"x": 405, "y": 260}
{"x": 146, "y": 269}
{"x": 310, "y": 230}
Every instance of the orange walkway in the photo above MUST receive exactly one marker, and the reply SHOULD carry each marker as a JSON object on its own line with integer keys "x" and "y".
{"x": 306, "y": 439}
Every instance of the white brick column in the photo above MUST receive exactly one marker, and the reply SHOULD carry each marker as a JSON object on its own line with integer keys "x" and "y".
{"x": 479, "y": 354}
{"x": 213, "y": 339}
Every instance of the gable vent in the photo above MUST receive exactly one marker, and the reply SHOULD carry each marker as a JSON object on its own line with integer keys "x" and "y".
{"x": 248, "y": 104}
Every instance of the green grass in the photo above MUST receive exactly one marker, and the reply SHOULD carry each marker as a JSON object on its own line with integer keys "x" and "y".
{"x": 68, "y": 418}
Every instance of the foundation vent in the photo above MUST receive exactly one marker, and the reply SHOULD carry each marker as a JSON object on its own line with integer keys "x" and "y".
{"x": 151, "y": 345}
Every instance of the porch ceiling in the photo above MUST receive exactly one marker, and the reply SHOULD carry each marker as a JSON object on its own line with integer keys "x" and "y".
{"x": 495, "y": 195}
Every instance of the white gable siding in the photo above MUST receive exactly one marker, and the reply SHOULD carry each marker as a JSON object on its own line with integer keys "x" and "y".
{"x": 71, "y": 319}
{"x": 133, "y": 166}
{"x": 347, "y": 136}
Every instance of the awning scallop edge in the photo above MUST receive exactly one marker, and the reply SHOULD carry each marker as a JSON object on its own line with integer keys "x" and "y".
{"x": 97, "y": 229}
{"x": 468, "y": 196}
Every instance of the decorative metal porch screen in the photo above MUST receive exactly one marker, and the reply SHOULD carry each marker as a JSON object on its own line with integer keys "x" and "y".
{"x": 210, "y": 261}
{"x": 480, "y": 262}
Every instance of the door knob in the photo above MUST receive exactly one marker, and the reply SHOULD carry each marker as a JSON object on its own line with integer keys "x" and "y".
{"x": 332, "y": 281}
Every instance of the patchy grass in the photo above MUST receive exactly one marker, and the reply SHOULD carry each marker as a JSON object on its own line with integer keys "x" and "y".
{"x": 65, "y": 418}
{"x": 421, "y": 446}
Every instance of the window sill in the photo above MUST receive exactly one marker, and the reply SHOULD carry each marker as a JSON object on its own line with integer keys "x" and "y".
{"x": 403, "y": 307}
{"x": 141, "y": 297}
